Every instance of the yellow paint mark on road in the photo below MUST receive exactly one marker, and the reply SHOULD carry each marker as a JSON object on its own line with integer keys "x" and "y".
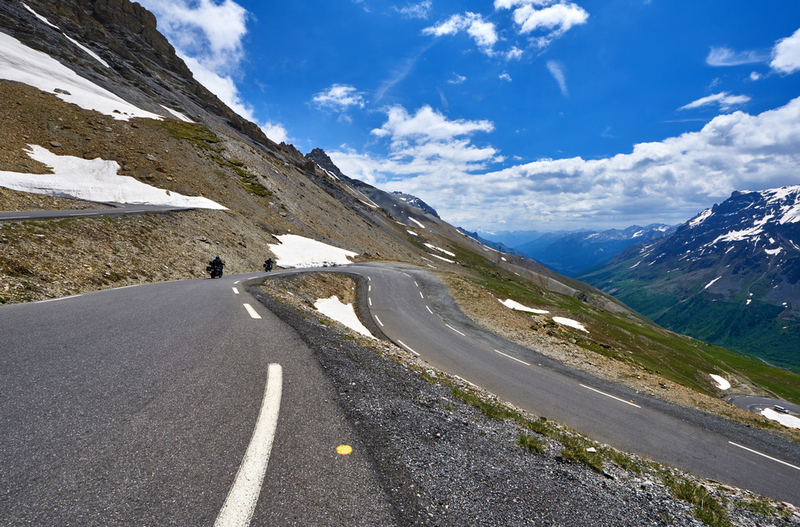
{"x": 344, "y": 449}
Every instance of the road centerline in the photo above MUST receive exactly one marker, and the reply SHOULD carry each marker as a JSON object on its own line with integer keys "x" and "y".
{"x": 252, "y": 311}
{"x": 611, "y": 396}
{"x": 764, "y": 455}
{"x": 243, "y": 495}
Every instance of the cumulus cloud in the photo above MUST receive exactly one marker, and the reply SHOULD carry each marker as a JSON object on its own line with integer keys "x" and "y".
{"x": 557, "y": 71}
{"x": 725, "y": 101}
{"x": 209, "y": 37}
{"x": 553, "y": 17}
{"x": 667, "y": 181}
{"x": 474, "y": 25}
{"x": 339, "y": 97}
{"x": 786, "y": 54}
{"x": 423, "y": 144}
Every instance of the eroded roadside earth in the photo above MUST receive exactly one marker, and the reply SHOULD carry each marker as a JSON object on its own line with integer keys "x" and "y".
{"x": 449, "y": 454}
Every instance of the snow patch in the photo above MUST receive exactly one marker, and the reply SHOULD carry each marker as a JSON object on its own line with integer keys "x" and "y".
{"x": 571, "y": 323}
{"x": 421, "y": 226}
{"x": 711, "y": 282}
{"x": 774, "y": 252}
{"x": 722, "y": 384}
{"x": 412, "y": 233}
{"x": 703, "y": 216}
{"x": 177, "y": 114}
{"x": 788, "y": 421}
{"x": 299, "y": 251}
{"x": 22, "y": 64}
{"x": 519, "y": 307}
{"x": 448, "y": 253}
{"x": 333, "y": 308}
{"x": 94, "y": 180}
{"x": 441, "y": 258}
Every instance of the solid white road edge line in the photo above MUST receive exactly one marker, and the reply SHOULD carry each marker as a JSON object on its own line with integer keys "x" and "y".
{"x": 252, "y": 311}
{"x": 764, "y": 455}
{"x": 406, "y": 347}
{"x": 235, "y": 291}
{"x": 241, "y": 501}
{"x": 454, "y": 329}
{"x": 513, "y": 358}
{"x": 609, "y": 395}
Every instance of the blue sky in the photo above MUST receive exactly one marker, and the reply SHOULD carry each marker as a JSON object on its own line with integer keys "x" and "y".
{"x": 517, "y": 114}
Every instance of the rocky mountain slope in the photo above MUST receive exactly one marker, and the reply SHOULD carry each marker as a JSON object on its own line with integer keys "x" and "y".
{"x": 730, "y": 275}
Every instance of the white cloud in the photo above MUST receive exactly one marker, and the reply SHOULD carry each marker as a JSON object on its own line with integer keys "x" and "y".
{"x": 458, "y": 79}
{"x": 725, "y": 100}
{"x": 209, "y": 37}
{"x": 482, "y": 32}
{"x": 668, "y": 181}
{"x": 555, "y": 18}
{"x": 420, "y": 10}
{"x": 723, "y": 56}
{"x": 557, "y": 71}
{"x": 786, "y": 54}
{"x": 505, "y": 76}
{"x": 275, "y": 131}
{"x": 339, "y": 97}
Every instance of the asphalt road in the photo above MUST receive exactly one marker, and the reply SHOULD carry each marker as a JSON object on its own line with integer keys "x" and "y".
{"x": 135, "y": 406}
{"x": 115, "y": 209}
{"x": 414, "y": 312}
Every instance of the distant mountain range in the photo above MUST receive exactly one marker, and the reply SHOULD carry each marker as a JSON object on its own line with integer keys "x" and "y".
{"x": 571, "y": 252}
{"x": 730, "y": 275}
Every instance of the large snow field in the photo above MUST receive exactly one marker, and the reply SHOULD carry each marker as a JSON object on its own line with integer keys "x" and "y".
{"x": 94, "y": 180}
{"x": 299, "y": 251}
{"x": 22, "y": 64}
{"x": 343, "y": 313}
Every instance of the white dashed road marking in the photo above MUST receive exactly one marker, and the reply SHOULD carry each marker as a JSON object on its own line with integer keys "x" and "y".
{"x": 406, "y": 347}
{"x": 513, "y": 358}
{"x": 241, "y": 501}
{"x": 429, "y": 310}
{"x": 235, "y": 291}
{"x": 252, "y": 311}
{"x": 609, "y": 395}
{"x": 378, "y": 320}
{"x": 764, "y": 455}
{"x": 454, "y": 329}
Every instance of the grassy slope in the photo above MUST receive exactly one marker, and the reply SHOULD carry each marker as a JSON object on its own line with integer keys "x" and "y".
{"x": 635, "y": 340}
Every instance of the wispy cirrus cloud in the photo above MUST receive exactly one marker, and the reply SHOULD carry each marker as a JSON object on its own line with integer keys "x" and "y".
{"x": 723, "y": 56}
{"x": 420, "y": 10}
{"x": 556, "y": 69}
{"x": 725, "y": 100}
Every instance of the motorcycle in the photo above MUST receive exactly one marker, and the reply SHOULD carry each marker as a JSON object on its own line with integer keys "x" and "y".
{"x": 215, "y": 270}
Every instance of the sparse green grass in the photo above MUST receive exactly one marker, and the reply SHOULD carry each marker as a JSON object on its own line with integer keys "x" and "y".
{"x": 198, "y": 134}
{"x": 531, "y": 444}
{"x": 707, "y": 508}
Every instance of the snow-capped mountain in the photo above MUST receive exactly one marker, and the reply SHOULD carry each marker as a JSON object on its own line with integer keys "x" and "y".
{"x": 572, "y": 252}
{"x": 730, "y": 275}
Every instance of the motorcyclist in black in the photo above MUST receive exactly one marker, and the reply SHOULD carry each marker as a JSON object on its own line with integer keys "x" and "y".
{"x": 268, "y": 264}
{"x": 217, "y": 263}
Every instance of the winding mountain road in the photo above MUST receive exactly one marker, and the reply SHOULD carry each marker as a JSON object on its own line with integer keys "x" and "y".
{"x": 138, "y": 405}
